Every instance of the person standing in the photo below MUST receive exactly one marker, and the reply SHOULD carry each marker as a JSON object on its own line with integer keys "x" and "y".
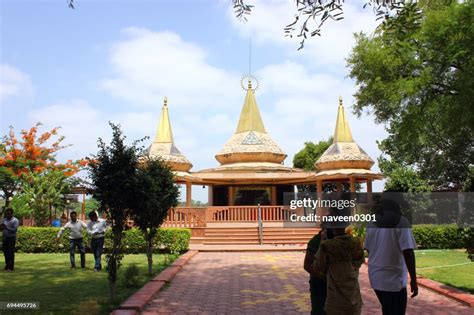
{"x": 317, "y": 280}
{"x": 390, "y": 244}
{"x": 9, "y": 226}
{"x": 96, "y": 228}
{"x": 340, "y": 258}
{"x": 75, "y": 239}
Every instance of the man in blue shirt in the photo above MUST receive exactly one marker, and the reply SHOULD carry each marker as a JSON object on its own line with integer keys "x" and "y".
{"x": 9, "y": 226}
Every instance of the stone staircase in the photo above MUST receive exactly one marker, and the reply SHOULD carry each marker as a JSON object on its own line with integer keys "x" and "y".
{"x": 249, "y": 235}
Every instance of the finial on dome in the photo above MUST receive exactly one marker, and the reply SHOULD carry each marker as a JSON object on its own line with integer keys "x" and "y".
{"x": 165, "y": 101}
{"x": 340, "y": 101}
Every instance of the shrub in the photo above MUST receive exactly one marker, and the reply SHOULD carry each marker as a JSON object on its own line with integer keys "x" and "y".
{"x": 448, "y": 236}
{"x": 131, "y": 277}
{"x": 439, "y": 236}
{"x": 42, "y": 240}
{"x": 174, "y": 239}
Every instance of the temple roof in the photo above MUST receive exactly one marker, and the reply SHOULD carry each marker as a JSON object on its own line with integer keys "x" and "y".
{"x": 250, "y": 142}
{"x": 344, "y": 152}
{"x": 163, "y": 145}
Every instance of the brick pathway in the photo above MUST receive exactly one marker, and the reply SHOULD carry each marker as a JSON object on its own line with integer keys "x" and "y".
{"x": 265, "y": 283}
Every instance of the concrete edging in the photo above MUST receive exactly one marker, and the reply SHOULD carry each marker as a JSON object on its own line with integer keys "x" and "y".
{"x": 446, "y": 290}
{"x": 137, "y": 302}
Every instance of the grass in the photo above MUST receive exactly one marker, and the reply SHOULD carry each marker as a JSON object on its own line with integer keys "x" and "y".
{"x": 430, "y": 264}
{"x": 48, "y": 279}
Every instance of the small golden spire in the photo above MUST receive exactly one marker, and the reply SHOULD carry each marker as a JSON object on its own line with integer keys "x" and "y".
{"x": 250, "y": 119}
{"x": 164, "y": 133}
{"x": 342, "y": 133}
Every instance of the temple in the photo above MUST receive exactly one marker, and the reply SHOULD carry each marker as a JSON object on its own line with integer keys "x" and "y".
{"x": 251, "y": 172}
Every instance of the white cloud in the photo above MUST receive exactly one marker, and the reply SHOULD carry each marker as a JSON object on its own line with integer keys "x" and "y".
{"x": 149, "y": 65}
{"x": 269, "y": 17}
{"x": 266, "y": 21}
{"x": 80, "y": 123}
{"x": 13, "y": 82}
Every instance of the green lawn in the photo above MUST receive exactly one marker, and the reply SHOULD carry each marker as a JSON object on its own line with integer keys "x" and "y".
{"x": 435, "y": 264}
{"x": 47, "y": 279}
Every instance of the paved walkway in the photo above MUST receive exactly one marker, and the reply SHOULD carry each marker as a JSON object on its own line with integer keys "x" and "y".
{"x": 265, "y": 283}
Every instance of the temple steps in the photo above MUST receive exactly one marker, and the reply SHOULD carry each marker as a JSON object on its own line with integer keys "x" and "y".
{"x": 249, "y": 235}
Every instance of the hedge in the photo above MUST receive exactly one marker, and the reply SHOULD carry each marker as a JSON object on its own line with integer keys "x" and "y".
{"x": 42, "y": 240}
{"x": 440, "y": 236}
{"x": 448, "y": 236}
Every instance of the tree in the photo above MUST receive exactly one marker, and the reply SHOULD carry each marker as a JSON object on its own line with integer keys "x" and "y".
{"x": 91, "y": 205}
{"x": 158, "y": 193}
{"x": 311, "y": 152}
{"x": 421, "y": 85}
{"x": 401, "y": 178}
{"x": 32, "y": 154}
{"x": 113, "y": 172}
{"x": 43, "y": 192}
{"x": 307, "y": 157}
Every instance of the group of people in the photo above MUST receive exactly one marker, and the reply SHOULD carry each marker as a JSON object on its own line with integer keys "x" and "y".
{"x": 333, "y": 259}
{"x": 96, "y": 228}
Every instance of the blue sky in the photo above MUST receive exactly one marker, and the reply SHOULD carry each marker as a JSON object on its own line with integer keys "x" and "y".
{"x": 116, "y": 60}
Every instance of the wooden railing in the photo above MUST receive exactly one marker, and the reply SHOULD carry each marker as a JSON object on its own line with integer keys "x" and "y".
{"x": 247, "y": 213}
{"x": 199, "y": 217}
{"x": 188, "y": 217}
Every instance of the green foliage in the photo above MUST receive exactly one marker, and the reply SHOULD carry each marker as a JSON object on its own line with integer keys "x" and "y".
{"x": 431, "y": 236}
{"x": 91, "y": 205}
{"x": 157, "y": 193}
{"x": 41, "y": 192}
{"x": 402, "y": 178}
{"x": 113, "y": 173}
{"x": 419, "y": 83}
{"x": 176, "y": 240}
{"x": 439, "y": 236}
{"x": 131, "y": 277}
{"x": 42, "y": 240}
{"x": 311, "y": 152}
{"x": 468, "y": 235}
{"x": 21, "y": 205}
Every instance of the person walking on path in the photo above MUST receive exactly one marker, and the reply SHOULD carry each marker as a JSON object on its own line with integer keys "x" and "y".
{"x": 390, "y": 244}
{"x": 340, "y": 258}
{"x": 96, "y": 228}
{"x": 9, "y": 226}
{"x": 317, "y": 280}
{"x": 75, "y": 239}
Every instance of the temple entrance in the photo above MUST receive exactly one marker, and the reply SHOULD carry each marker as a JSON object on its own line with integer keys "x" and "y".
{"x": 252, "y": 196}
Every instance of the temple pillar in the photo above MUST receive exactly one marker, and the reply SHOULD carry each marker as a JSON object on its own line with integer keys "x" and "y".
{"x": 319, "y": 188}
{"x": 369, "y": 191}
{"x": 189, "y": 199}
{"x": 231, "y": 195}
{"x": 210, "y": 195}
{"x": 273, "y": 200}
{"x": 352, "y": 183}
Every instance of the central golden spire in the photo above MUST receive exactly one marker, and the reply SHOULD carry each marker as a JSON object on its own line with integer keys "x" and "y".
{"x": 164, "y": 133}
{"x": 342, "y": 133}
{"x": 250, "y": 119}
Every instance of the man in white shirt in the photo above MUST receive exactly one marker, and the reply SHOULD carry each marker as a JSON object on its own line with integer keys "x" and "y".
{"x": 96, "y": 228}
{"x": 75, "y": 239}
{"x": 390, "y": 244}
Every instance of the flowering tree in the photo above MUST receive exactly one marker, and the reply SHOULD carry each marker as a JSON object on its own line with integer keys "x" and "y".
{"x": 29, "y": 155}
